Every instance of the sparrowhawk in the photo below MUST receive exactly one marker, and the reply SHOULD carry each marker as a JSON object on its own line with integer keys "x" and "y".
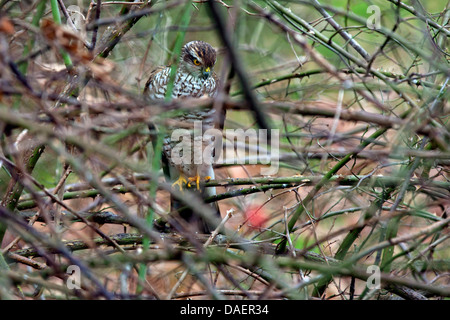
{"x": 194, "y": 78}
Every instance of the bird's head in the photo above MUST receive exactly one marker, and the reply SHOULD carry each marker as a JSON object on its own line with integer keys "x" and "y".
{"x": 198, "y": 58}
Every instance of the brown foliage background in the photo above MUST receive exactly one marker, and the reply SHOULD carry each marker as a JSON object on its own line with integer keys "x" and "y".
{"x": 356, "y": 89}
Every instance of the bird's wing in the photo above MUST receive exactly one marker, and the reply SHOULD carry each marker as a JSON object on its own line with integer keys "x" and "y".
{"x": 150, "y": 85}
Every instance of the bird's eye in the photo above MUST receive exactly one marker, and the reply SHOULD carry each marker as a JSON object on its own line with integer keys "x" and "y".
{"x": 196, "y": 62}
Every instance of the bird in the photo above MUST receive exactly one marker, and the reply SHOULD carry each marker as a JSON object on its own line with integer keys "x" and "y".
{"x": 194, "y": 78}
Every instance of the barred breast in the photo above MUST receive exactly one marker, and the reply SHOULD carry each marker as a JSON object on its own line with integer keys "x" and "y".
{"x": 185, "y": 85}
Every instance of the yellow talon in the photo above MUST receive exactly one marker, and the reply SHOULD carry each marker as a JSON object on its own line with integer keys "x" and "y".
{"x": 180, "y": 182}
{"x": 196, "y": 179}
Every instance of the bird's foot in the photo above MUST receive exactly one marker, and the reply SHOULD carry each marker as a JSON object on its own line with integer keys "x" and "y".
{"x": 196, "y": 179}
{"x": 180, "y": 182}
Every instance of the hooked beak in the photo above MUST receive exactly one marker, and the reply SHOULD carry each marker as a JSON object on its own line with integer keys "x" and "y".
{"x": 206, "y": 73}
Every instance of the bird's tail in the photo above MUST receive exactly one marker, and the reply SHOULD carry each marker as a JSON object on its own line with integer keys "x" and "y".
{"x": 189, "y": 215}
